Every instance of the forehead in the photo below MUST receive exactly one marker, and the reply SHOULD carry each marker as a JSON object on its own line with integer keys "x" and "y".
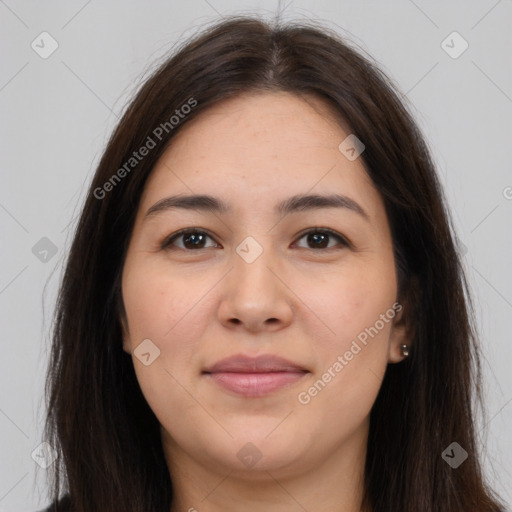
{"x": 279, "y": 121}
{"x": 258, "y": 148}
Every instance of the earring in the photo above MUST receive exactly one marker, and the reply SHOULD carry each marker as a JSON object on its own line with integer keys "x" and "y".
{"x": 404, "y": 349}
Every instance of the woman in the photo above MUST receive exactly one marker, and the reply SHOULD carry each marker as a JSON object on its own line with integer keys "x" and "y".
{"x": 263, "y": 306}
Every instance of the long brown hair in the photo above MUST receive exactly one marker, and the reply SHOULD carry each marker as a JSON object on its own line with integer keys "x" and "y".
{"x": 108, "y": 438}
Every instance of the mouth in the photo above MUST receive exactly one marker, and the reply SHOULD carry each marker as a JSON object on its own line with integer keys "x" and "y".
{"x": 254, "y": 376}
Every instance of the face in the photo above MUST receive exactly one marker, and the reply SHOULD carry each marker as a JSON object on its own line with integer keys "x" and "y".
{"x": 315, "y": 285}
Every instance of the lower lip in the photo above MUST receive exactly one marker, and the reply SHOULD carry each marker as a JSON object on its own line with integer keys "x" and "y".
{"x": 255, "y": 384}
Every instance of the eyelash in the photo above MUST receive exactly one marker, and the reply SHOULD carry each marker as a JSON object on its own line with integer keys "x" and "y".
{"x": 166, "y": 244}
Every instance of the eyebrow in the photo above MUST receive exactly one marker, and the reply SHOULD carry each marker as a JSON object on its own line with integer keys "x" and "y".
{"x": 297, "y": 203}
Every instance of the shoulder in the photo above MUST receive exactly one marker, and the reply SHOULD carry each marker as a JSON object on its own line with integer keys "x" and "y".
{"x": 62, "y": 505}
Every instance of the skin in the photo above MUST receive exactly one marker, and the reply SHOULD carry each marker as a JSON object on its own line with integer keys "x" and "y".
{"x": 295, "y": 300}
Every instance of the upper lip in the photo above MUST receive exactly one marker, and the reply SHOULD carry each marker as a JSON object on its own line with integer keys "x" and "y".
{"x": 261, "y": 364}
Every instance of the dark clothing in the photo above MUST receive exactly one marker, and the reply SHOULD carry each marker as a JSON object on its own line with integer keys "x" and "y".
{"x": 63, "y": 505}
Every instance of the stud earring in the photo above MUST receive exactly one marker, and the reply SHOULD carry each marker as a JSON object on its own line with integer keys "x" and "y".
{"x": 404, "y": 349}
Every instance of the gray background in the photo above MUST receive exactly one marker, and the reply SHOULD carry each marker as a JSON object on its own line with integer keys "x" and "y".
{"x": 56, "y": 114}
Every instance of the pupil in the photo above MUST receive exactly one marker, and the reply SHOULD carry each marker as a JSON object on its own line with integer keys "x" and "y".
{"x": 192, "y": 237}
{"x": 318, "y": 240}
{"x": 318, "y": 237}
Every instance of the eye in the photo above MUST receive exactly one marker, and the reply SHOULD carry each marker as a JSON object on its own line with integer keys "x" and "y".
{"x": 192, "y": 239}
{"x": 319, "y": 238}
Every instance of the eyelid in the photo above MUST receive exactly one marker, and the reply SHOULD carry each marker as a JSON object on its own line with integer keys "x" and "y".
{"x": 344, "y": 242}
{"x": 342, "y": 239}
{"x": 169, "y": 239}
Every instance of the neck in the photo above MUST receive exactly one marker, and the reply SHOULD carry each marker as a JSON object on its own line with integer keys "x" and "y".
{"x": 332, "y": 483}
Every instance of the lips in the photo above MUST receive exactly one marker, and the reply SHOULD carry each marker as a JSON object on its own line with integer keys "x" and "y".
{"x": 259, "y": 364}
{"x": 254, "y": 376}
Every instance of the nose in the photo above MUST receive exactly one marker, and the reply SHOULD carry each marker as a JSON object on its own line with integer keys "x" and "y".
{"x": 255, "y": 296}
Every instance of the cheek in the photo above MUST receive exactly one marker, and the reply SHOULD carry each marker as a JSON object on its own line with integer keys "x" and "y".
{"x": 357, "y": 308}
{"x": 161, "y": 307}
{"x": 350, "y": 300}
{"x": 164, "y": 308}
{"x": 159, "y": 304}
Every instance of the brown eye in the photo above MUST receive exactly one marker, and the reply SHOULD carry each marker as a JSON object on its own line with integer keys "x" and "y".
{"x": 320, "y": 238}
{"x": 190, "y": 239}
{"x": 194, "y": 239}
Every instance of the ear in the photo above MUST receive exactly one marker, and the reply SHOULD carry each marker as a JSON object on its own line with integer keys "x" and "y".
{"x": 404, "y": 326}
